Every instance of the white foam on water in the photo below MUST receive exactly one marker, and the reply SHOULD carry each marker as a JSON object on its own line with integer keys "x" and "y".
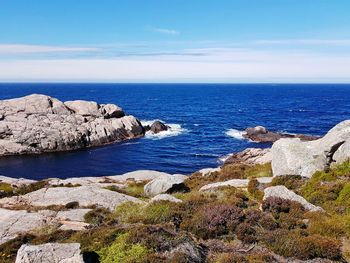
{"x": 235, "y": 134}
{"x": 223, "y": 159}
{"x": 174, "y": 130}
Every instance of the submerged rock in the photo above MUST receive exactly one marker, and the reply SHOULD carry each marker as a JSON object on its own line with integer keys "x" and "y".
{"x": 39, "y": 123}
{"x": 261, "y": 134}
{"x": 165, "y": 184}
{"x": 284, "y": 193}
{"x": 158, "y": 126}
{"x": 296, "y": 157}
{"x": 50, "y": 252}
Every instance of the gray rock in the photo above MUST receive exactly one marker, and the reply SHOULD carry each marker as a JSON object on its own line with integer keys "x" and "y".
{"x": 85, "y": 195}
{"x": 165, "y": 184}
{"x": 165, "y": 197}
{"x": 140, "y": 175}
{"x": 16, "y": 181}
{"x": 251, "y": 156}
{"x": 39, "y": 123}
{"x": 14, "y": 222}
{"x": 296, "y": 157}
{"x": 50, "y": 252}
{"x": 73, "y": 214}
{"x": 284, "y": 193}
{"x": 158, "y": 127}
{"x": 238, "y": 183}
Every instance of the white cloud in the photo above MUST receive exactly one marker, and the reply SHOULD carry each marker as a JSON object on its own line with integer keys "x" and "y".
{"x": 335, "y": 42}
{"x": 216, "y": 65}
{"x": 164, "y": 31}
{"x": 32, "y": 49}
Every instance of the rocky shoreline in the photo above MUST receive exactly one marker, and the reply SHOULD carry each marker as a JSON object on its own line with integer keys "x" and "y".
{"x": 262, "y": 205}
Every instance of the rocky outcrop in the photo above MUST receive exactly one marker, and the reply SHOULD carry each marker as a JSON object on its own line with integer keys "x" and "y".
{"x": 296, "y": 157}
{"x": 39, "y": 123}
{"x": 165, "y": 197}
{"x": 16, "y": 182}
{"x": 50, "y": 252}
{"x": 284, "y": 193}
{"x": 165, "y": 184}
{"x": 250, "y": 156}
{"x": 238, "y": 183}
{"x": 261, "y": 134}
{"x": 13, "y": 222}
{"x": 85, "y": 195}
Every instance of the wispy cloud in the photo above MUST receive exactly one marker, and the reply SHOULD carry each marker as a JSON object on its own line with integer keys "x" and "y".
{"x": 335, "y": 42}
{"x": 37, "y": 49}
{"x": 164, "y": 31}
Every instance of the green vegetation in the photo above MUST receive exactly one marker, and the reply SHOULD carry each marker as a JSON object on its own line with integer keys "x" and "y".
{"x": 132, "y": 188}
{"x": 219, "y": 226}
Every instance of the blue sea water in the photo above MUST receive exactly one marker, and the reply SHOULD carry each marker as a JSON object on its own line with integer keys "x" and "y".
{"x": 210, "y": 118}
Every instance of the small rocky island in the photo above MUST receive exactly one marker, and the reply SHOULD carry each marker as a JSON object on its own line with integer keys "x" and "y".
{"x": 38, "y": 123}
{"x": 284, "y": 204}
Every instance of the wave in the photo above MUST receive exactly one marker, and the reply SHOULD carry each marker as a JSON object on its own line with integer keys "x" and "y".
{"x": 174, "y": 130}
{"x": 235, "y": 134}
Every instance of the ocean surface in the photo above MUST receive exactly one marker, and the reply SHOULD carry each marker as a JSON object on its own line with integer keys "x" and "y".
{"x": 206, "y": 121}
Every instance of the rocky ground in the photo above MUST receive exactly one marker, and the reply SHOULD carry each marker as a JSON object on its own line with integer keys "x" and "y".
{"x": 290, "y": 203}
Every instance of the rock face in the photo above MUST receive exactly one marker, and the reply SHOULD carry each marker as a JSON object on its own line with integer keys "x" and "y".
{"x": 284, "y": 193}
{"x": 296, "y": 157}
{"x": 13, "y": 222}
{"x": 165, "y": 184}
{"x": 251, "y": 156}
{"x": 238, "y": 183}
{"x": 39, "y": 123}
{"x": 84, "y": 195}
{"x": 261, "y": 134}
{"x": 50, "y": 252}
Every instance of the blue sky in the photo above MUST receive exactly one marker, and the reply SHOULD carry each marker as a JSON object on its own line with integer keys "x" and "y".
{"x": 175, "y": 41}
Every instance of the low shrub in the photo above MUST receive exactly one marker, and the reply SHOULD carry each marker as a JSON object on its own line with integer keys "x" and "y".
{"x": 133, "y": 188}
{"x": 25, "y": 189}
{"x": 99, "y": 216}
{"x": 292, "y": 182}
{"x": 253, "y": 189}
{"x": 122, "y": 252}
{"x": 246, "y": 233}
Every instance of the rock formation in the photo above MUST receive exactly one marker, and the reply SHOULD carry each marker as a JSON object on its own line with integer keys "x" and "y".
{"x": 50, "y": 252}
{"x": 39, "y": 123}
{"x": 250, "y": 156}
{"x": 165, "y": 184}
{"x": 284, "y": 193}
{"x": 157, "y": 127}
{"x": 261, "y": 134}
{"x": 296, "y": 157}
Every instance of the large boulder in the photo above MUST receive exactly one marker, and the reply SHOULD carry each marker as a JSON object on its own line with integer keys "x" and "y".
{"x": 86, "y": 196}
{"x": 50, "y": 252}
{"x": 296, "y": 157}
{"x": 165, "y": 184}
{"x": 283, "y": 192}
{"x": 39, "y": 123}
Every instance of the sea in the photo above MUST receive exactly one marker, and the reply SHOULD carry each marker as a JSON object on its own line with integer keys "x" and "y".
{"x": 206, "y": 120}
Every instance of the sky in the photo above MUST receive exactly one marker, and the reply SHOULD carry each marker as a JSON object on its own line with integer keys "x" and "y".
{"x": 222, "y": 41}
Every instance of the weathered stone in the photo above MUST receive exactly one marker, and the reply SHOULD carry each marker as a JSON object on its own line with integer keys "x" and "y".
{"x": 50, "y": 252}
{"x": 165, "y": 184}
{"x": 296, "y": 157}
{"x": 140, "y": 175}
{"x": 343, "y": 153}
{"x": 238, "y": 183}
{"x": 284, "y": 193}
{"x": 39, "y": 123}
{"x": 84, "y": 195}
{"x": 261, "y": 134}
{"x": 251, "y": 156}
{"x": 158, "y": 127}
{"x": 16, "y": 181}
{"x": 165, "y": 197}
{"x": 73, "y": 214}
{"x": 14, "y": 222}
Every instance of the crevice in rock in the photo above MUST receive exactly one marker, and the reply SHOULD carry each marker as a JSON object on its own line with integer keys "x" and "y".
{"x": 329, "y": 155}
